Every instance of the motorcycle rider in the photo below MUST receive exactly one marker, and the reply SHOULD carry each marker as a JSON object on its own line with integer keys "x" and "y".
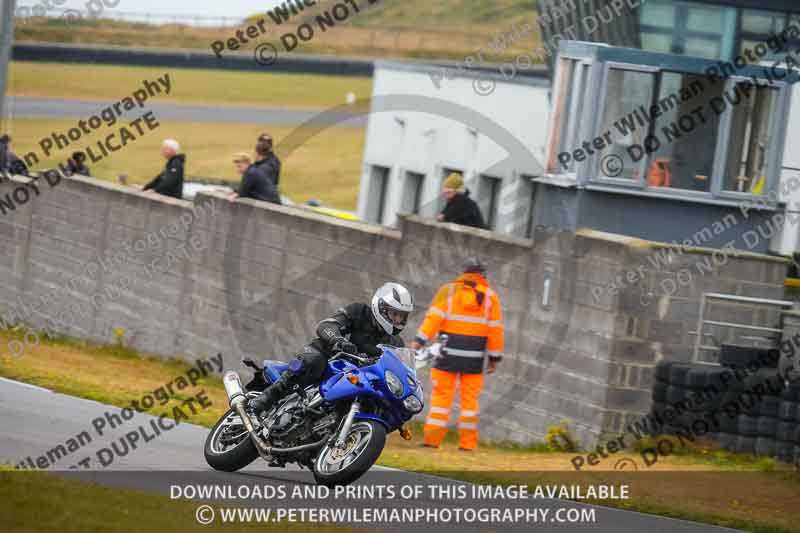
{"x": 356, "y": 328}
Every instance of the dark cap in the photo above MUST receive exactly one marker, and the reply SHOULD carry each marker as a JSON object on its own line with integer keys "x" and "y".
{"x": 473, "y": 264}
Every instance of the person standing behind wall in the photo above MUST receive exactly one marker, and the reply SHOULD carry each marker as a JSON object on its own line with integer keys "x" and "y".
{"x": 9, "y": 162}
{"x": 460, "y": 208}
{"x": 170, "y": 181}
{"x": 259, "y": 179}
{"x": 468, "y": 311}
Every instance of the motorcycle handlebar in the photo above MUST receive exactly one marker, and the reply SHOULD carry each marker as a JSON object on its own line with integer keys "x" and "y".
{"x": 359, "y": 358}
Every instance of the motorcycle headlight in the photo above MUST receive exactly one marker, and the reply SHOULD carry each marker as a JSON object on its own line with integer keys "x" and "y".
{"x": 393, "y": 383}
{"x": 412, "y": 404}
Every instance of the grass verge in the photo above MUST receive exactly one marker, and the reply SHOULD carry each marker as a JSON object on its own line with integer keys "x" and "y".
{"x": 327, "y": 166}
{"x": 734, "y": 491}
{"x": 38, "y": 502}
{"x": 188, "y": 86}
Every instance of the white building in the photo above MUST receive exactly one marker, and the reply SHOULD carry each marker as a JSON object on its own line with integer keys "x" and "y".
{"x": 426, "y": 123}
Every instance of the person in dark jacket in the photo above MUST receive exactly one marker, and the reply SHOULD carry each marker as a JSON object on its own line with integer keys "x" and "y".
{"x": 260, "y": 180}
{"x": 356, "y": 328}
{"x": 5, "y": 152}
{"x": 460, "y": 208}
{"x": 269, "y": 161}
{"x": 170, "y": 181}
{"x": 9, "y": 162}
{"x": 77, "y": 165}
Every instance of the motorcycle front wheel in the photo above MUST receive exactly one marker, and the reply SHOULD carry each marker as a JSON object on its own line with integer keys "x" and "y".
{"x": 228, "y": 447}
{"x": 362, "y": 447}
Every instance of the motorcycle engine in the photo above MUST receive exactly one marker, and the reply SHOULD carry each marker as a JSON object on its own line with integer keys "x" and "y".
{"x": 294, "y": 424}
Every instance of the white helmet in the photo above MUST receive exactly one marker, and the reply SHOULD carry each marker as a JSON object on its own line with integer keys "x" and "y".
{"x": 395, "y": 299}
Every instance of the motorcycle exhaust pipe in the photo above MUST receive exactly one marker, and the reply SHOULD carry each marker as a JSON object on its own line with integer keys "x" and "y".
{"x": 233, "y": 387}
{"x": 303, "y": 448}
{"x": 238, "y": 401}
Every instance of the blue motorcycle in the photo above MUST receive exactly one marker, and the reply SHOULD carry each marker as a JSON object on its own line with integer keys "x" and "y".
{"x": 336, "y": 429}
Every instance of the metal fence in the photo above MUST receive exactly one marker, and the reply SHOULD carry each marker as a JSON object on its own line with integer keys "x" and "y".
{"x": 702, "y": 321}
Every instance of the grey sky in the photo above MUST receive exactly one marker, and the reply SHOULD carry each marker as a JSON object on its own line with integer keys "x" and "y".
{"x": 226, "y": 8}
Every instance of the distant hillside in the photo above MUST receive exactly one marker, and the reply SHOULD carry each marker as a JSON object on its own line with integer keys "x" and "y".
{"x": 427, "y": 29}
{"x": 453, "y": 13}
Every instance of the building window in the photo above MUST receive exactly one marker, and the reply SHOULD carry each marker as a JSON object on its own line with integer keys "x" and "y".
{"x": 623, "y": 123}
{"x": 489, "y": 198}
{"x": 688, "y": 28}
{"x": 528, "y": 197}
{"x": 376, "y": 199}
{"x": 566, "y": 124}
{"x": 684, "y": 158}
{"x": 758, "y": 27}
{"x": 751, "y": 140}
{"x": 412, "y": 193}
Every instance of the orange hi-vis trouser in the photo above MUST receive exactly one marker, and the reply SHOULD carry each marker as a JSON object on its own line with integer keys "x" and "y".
{"x": 444, "y": 388}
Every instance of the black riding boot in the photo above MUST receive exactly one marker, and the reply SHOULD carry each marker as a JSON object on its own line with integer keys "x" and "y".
{"x": 273, "y": 393}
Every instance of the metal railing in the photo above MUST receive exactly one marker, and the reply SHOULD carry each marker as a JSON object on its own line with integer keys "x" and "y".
{"x": 730, "y": 298}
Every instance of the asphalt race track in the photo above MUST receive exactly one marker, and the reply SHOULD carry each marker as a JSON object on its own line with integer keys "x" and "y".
{"x": 24, "y": 106}
{"x": 34, "y": 420}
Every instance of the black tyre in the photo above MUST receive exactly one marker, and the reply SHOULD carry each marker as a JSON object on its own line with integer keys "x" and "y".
{"x": 787, "y": 411}
{"x": 718, "y": 378}
{"x": 660, "y": 392}
{"x": 748, "y": 426}
{"x": 768, "y": 406}
{"x": 735, "y": 356}
{"x": 766, "y": 446}
{"x": 679, "y": 372}
{"x": 696, "y": 378}
{"x": 676, "y": 394}
{"x": 765, "y": 380}
{"x": 784, "y": 431}
{"x": 703, "y": 401}
{"x": 363, "y": 446}
{"x": 784, "y": 451}
{"x": 727, "y": 441}
{"x": 728, "y": 424}
{"x": 228, "y": 446}
{"x": 750, "y": 403}
{"x": 746, "y": 445}
{"x": 658, "y": 410}
{"x": 662, "y": 371}
{"x": 792, "y": 394}
{"x": 767, "y": 426}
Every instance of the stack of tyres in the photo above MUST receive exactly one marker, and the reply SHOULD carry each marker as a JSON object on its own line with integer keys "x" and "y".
{"x": 758, "y": 422}
{"x": 788, "y": 427}
{"x": 742, "y": 404}
{"x": 684, "y": 398}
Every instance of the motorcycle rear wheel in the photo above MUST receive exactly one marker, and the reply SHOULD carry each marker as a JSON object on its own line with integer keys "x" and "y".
{"x": 228, "y": 446}
{"x": 363, "y": 446}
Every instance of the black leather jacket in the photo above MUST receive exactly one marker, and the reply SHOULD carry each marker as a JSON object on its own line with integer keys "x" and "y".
{"x": 170, "y": 181}
{"x": 357, "y": 323}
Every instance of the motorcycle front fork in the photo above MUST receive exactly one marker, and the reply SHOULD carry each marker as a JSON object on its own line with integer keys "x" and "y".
{"x": 347, "y": 424}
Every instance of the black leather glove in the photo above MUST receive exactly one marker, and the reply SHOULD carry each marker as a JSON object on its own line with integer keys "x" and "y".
{"x": 340, "y": 344}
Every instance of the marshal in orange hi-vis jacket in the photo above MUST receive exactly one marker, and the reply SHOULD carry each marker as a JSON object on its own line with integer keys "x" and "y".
{"x": 468, "y": 311}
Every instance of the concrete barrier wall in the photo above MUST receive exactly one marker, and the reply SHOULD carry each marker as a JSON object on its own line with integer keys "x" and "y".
{"x": 88, "y": 258}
